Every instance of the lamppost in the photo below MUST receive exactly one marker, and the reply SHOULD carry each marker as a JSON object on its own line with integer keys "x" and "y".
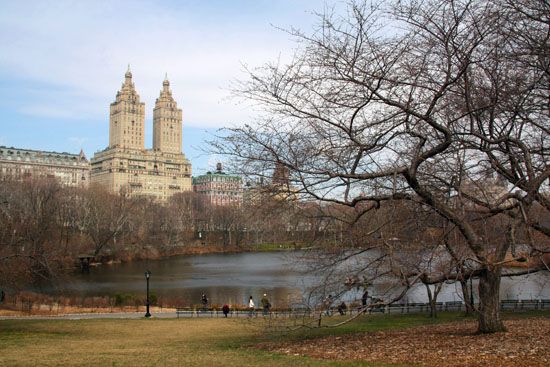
{"x": 147, "y": 276}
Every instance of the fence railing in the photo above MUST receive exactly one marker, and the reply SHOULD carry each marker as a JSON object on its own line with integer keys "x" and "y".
{"x": 396, "y": 308}
{"x": 505, "y": 305}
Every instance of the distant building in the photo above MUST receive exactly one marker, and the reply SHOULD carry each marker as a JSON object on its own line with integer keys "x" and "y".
{"x": 277, "y": 188}
{"x": 490, "y": 190}
{"x": 280, "y": 187}
{"x": 125, "y": 165}
{"x": 219, "y": 188}
{"x": 69, "y": 169}
{"x": 280, "y": 176}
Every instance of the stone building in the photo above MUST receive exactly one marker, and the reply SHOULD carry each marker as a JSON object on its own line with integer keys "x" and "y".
{"x": 69, "y": 169}
{"x": 219, "y": 187}
{"x": 125, "y": 165}
{"x": 278, "y": 188}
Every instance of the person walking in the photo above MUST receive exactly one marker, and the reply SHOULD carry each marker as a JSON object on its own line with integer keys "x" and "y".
{"x": 204, "y": 301}
{"x": 225, "y": 309}
{"x": 364, "y": 299}
{"x": 251, "y": 306}
{"x": 265, "y": 304}
{"x": 342, "y": 308}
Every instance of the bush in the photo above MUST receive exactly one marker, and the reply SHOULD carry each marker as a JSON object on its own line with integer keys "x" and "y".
{"x": 153, "y": 299}
{"x": 122, "y": 299}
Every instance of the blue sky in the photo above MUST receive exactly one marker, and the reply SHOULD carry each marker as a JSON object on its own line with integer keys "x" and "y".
{"x": 61, "y": 63}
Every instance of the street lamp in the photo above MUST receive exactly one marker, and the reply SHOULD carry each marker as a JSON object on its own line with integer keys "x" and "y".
{"x": 147, "y": 276}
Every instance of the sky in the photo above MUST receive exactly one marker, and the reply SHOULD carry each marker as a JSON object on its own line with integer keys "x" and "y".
{"x": 62, "y": 62}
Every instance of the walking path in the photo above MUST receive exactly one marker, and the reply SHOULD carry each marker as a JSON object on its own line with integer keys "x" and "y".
{"x": 506, "y": 305}
{"x": 139, "y": 315}
{"x": 82, "y": 316}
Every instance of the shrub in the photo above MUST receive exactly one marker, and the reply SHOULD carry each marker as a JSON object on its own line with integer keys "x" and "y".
{"x": 122, "y": 299}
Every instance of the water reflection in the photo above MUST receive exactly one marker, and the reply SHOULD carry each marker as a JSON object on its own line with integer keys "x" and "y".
{"x": 232, "y": 278}
{"x": 225, "y": 278}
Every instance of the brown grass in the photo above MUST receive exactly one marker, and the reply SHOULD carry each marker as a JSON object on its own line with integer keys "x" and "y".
{"x": 153, "y": 342}
{"x": 49, "y": 310}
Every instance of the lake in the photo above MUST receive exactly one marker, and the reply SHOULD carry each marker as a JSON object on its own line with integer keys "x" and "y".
{"x": 232, "y": 278}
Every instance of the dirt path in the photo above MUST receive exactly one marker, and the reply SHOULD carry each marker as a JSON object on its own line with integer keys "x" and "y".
{"x": 526, "y": 343}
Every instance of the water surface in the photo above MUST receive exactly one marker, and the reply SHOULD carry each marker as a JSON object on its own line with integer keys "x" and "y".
{"x": 232, "y": 278}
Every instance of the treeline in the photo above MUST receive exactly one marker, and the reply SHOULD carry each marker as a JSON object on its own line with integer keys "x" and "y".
{"x": 45, "y": 228}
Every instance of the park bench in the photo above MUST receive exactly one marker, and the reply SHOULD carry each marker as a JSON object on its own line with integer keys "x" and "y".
{"x": 453, "y": 306}
{"x": 376, "y": 306}
{"x": 509, "y": 304}
{"x": 199, "y": 312}
{"x": 529, "y": 304}
{"x": 182, "y": 311}
{"x": 417, "y": 307}
{"x": 396, "y": 307}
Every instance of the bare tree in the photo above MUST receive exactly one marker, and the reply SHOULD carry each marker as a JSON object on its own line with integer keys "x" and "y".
{"x": 416, "y": 101}
{"x": 30, "y": 233}
{"x": 102, "y": 217}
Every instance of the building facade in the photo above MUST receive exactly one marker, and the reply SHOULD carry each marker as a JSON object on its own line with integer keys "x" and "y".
{"x": 69, "y": 169}
{"x": 219, "y": 188}
{"x": 125, "y": 166}
{"x": 278, "y": 188}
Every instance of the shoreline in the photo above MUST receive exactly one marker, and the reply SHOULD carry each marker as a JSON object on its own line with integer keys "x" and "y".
{"x": 149, "y": 252}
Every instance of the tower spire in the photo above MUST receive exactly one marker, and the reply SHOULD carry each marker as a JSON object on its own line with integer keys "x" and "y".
{"x": 167, "y": 117}
{"x": 128, "y": 75}
{"x": 166, "y": 83}
{"x": 126, "y": 118}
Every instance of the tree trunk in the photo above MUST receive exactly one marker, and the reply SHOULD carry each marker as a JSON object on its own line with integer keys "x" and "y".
{"x": 467, "y": 297}
{"x": 489, "y": 288}
{"x": 431, "y": 302}
{"x": 489, "y": 301}
{"x": 432, "y": 298}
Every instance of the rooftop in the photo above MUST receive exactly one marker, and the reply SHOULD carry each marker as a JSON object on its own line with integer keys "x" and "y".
{"x": 39, "y": 155}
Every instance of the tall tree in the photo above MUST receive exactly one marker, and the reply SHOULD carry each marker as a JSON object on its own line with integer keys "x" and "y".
{"x": 30, "y": 232}
{"x": 434, "y": 102}
{"x": 102, "y": 217}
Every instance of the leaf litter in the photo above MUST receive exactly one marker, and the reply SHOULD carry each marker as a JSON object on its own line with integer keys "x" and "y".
{"x": 525, "y": 343}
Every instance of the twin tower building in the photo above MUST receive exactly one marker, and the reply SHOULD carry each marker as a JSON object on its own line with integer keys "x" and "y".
{"x": 125, "y": 166}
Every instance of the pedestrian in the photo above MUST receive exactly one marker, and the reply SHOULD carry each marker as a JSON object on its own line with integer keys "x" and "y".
{"x": 251, "y": 307}
{"x": 342, "y": 308}
{"x": 225, "y": 309}
{"x": 265, "y": 304}
{"x": 204, "y": 301}
{"x": 2, "y": 296}
{"x": 364, "y": 298}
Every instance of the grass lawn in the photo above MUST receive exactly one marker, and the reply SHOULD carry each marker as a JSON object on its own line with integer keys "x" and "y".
{"x": 168, "y": 342}
{"x": 268, "y": 247}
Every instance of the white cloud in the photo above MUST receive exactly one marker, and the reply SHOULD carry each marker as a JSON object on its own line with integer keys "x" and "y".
{"x": 83, "y": 47}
